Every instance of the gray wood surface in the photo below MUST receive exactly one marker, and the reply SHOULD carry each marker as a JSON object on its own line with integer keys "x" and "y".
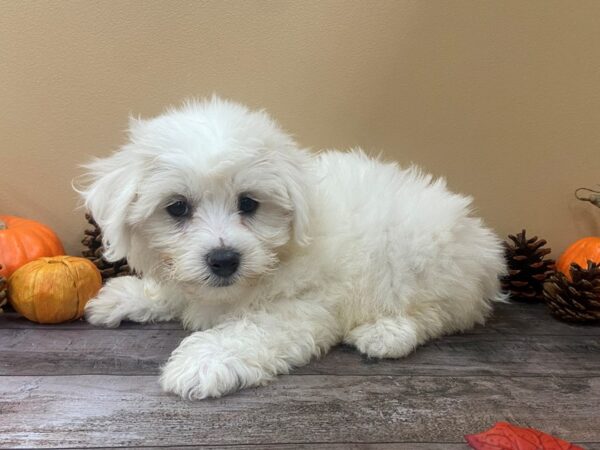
{"x": 336, "y": 446}
{"x": 131, "y": 410}
{"x": 347, "y": 446}
{"x": 141, "y": 352}
{"x": 74, "y": 385}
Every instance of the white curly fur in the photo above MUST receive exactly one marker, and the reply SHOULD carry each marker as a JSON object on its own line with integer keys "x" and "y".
{"x": 342, "y": 248}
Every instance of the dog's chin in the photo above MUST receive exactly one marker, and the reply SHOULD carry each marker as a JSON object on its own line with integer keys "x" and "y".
{"x": 222, "y": 282}
{"x": 212, "y": 288}
{"x": 225, "y": 286}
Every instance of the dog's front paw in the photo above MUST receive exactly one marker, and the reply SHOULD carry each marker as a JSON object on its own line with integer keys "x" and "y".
{"x": 104, "y": 310}
{"x": 199, "y": 369}
{"x": 110, "y": 306}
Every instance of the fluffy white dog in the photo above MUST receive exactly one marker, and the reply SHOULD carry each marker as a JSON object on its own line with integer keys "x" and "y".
{"x": 273, "y": 255}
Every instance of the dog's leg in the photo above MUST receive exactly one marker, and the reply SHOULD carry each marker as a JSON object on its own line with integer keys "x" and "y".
{"x": 392, "y": 337}
{"x": 125, "y": 298}
{"x": 249, "y": 351}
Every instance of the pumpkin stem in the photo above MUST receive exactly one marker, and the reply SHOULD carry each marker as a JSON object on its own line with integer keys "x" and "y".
{"x": 593, "y": 197}
{"x": 3, "y": 225}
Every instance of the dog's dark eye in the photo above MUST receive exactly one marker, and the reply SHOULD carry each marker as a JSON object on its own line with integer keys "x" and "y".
{"x": 180, "y": 208}
{"x": 246, "y": 205}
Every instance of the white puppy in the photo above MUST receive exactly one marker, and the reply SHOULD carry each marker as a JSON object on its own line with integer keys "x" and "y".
{"x": 273, "y": 255}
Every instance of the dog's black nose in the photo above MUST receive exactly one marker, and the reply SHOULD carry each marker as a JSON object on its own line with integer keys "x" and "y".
{"x": 223, "y": 261}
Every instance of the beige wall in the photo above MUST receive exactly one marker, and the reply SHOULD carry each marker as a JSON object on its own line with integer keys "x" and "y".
{"x": 501, "y": 97}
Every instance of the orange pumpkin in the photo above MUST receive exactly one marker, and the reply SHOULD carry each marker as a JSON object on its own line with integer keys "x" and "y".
{"x": 54, "y": 290}
{"x": 23, "y": 240}
{"x": 580, "y": 252}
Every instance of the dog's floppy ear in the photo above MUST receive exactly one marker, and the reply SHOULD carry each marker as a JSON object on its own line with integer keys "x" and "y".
{"x": 109, "y": 188}
{"x": 297, "y": 174}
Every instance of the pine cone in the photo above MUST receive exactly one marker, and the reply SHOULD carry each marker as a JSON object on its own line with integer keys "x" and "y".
{"x": 94, "y": 251}
{"x": 527, "y": 267}
{"x": 577, "y": 300}
{"x": 3, "y": 292}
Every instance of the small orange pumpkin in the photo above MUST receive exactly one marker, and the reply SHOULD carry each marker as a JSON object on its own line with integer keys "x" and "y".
{"x": 54, "y": 290}
{"x": 580, "y": 252}
{"x": 23, "y": 240}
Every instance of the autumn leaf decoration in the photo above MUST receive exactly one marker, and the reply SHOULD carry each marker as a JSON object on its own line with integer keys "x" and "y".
{"x": 504, "y": 436}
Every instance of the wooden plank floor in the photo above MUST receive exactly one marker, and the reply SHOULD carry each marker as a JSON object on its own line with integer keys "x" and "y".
{"x": 74, "y": 385}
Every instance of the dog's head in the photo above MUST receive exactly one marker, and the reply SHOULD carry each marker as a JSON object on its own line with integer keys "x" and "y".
{"x": 206, "y": 195}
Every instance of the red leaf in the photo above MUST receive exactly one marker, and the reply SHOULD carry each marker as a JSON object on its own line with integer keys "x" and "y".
{"x": 504, "y": 436}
